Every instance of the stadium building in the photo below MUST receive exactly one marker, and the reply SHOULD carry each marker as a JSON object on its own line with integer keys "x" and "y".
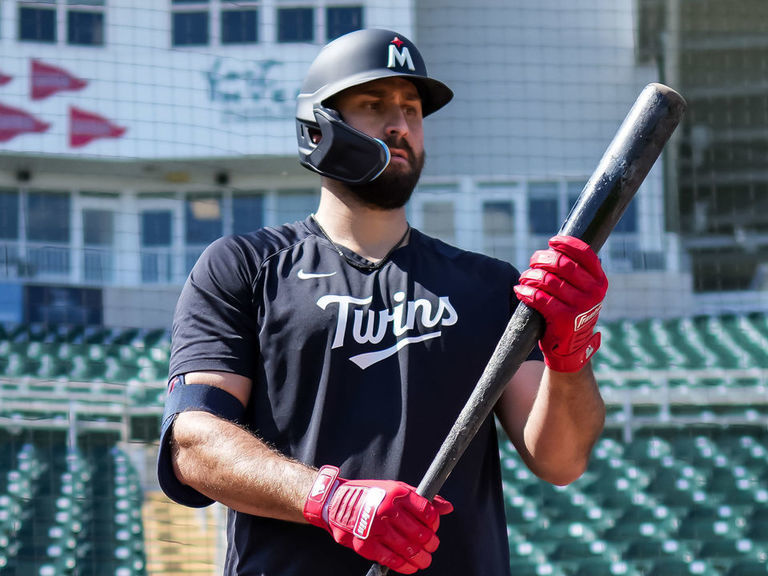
{"x": 132, "y": 134}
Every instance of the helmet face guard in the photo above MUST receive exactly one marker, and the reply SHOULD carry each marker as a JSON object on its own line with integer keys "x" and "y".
{"x": 342, "y": 152}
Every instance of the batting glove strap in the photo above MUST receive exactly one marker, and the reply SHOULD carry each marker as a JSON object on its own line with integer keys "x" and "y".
{"x": 319, "y": 497}
{"x": 575, "y": 361}
{"x": 382, "y": 520}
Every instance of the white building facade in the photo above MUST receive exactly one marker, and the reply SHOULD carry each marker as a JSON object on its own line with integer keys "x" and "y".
{"x": 132, "y": 134}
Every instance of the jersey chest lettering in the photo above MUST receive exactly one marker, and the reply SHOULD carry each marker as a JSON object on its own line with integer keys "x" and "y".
{"x": 370, "y": 326}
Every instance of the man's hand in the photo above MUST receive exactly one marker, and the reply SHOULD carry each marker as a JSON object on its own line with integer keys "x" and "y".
{"x": 382, "y": 520}
{"x": 566, "y": 285}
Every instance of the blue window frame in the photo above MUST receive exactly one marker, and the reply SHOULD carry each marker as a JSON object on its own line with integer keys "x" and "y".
{"x": 340, "y": 20}
{"x": 203, "y": 219}
{"x": 85, "y": 28}
{"x": 190, "y": 28}
{"x": 37, "y": 24}
{"x": 628, "y": 222}
{"x": 9, "y": 214}
{"x": 295, "y": 25}
{"x": 240, "y": 26}
{"x": 48, "y": 217}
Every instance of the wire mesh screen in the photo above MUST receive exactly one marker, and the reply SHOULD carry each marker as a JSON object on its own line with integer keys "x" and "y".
{"x": 134, "y": 134}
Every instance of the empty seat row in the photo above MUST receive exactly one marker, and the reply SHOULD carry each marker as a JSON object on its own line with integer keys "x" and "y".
{"x": 682, "y": 503}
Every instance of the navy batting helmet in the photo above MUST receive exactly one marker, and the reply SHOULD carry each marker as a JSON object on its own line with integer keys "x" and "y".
{"x": 344, "y": 153}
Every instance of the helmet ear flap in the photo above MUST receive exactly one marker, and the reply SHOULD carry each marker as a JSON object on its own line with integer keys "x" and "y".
{"x": 343, "y": 153}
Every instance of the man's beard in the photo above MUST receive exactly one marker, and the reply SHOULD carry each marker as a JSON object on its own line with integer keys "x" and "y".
{"x": 393, "y": 188}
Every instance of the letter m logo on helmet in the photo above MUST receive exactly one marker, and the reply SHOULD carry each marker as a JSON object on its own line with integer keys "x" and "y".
{"x": 399, "y": 57}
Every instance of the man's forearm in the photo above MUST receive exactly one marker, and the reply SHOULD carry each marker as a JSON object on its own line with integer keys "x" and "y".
{"x": 567, "y": 418}
{"x": 234, "y": 467}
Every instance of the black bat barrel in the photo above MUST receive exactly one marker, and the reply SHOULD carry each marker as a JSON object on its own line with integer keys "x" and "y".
{"x": 625, "y": 164}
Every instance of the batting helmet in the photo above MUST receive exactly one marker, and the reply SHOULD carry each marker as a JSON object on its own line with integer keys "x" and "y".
{"x": 344, "y": 153}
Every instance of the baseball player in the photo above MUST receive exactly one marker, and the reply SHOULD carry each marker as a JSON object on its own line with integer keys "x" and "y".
{"x": 317, "y": 366}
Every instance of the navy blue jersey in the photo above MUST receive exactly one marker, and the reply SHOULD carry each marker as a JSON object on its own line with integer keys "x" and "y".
{"x": 363, "y": 367}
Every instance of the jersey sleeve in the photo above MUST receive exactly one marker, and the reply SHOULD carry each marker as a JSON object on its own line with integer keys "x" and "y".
{"x": 214, "y": 329}
{"x": 215, "y": 321}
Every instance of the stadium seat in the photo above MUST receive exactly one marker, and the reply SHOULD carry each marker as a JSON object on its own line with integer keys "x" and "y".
{"x": 528, "y": 568}
{"x": 722, "y": 553}
{"x": 748, "y": 568}
{"x": 680, "y": 567}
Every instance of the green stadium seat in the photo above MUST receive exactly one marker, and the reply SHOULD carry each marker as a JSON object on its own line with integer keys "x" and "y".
{"x": 519, "y": 509}
{"x": 627, "y": 531}
{"x": 748, "y": 568}
{"x": 701, "y": 528}
{"x": 723, "y": 552}
{"x": 649, "y": 549}
{"x": 604, "y": 567}
{"x": 528, "y": 568}
{"x": 680, "y": 567}
{"x": 757, "y": 529}
{"x": 581, "y": 550}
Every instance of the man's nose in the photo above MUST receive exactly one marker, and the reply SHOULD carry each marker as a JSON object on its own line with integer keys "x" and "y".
{"x": 396, "y": 122}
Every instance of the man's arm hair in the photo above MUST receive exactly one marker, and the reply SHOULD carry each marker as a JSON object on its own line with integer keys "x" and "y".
{"x": 229, "y": 464}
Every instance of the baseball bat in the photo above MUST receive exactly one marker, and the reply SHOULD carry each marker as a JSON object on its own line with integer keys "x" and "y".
{"x": 626, "y": 162}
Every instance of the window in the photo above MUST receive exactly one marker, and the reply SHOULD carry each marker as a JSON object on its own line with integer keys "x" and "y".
{"x": 9, "y": 214}
{"x": 340, "y": 20}
{"x": 156, "y": 228}
{"x": 203, "y": 225}
{"x": 247, "y": 213}
{"x": 98, "y": 227}
{"x": 37, "y": 21}
{"x": 9, "y": 235}
{"x": 190, "y": 22}
{"x": 84, "y": 18}
{"x": 295, "y": 25}
{"x": 64, "y": 305}
{"x": 48, "y": 234}
{"x": 203, "y": 218}
{"x": 573, "y": 192}
{"x": 156, "y": 240}
{"x": 239, "y": 26}
{"x": 628, "y": 222}
{"x": 98, "y": 238}
{"x": 85, "y": 28}
{"x": 543, "y": 213}
{"x": 498, "y": 218}
{"x": 48, "y": 217}
{"x": 499, "y": 228}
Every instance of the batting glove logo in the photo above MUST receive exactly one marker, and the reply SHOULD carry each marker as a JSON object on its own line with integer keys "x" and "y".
{"x": 583, "y": 320}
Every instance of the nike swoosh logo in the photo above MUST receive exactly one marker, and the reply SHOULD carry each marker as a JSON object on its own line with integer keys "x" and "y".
{"x": 370, "y": 358}
{"x": 309, "y": 275}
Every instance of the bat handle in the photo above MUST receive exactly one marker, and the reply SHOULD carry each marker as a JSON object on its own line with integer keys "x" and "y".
{"x": 377, "y": 570}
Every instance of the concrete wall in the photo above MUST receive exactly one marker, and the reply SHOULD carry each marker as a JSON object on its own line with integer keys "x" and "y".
{"x": 540, "y": 86}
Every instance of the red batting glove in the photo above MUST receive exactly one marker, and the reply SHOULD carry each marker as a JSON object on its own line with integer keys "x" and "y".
{"x": 382, "y": 520}
{"x": 565, "y": 284}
